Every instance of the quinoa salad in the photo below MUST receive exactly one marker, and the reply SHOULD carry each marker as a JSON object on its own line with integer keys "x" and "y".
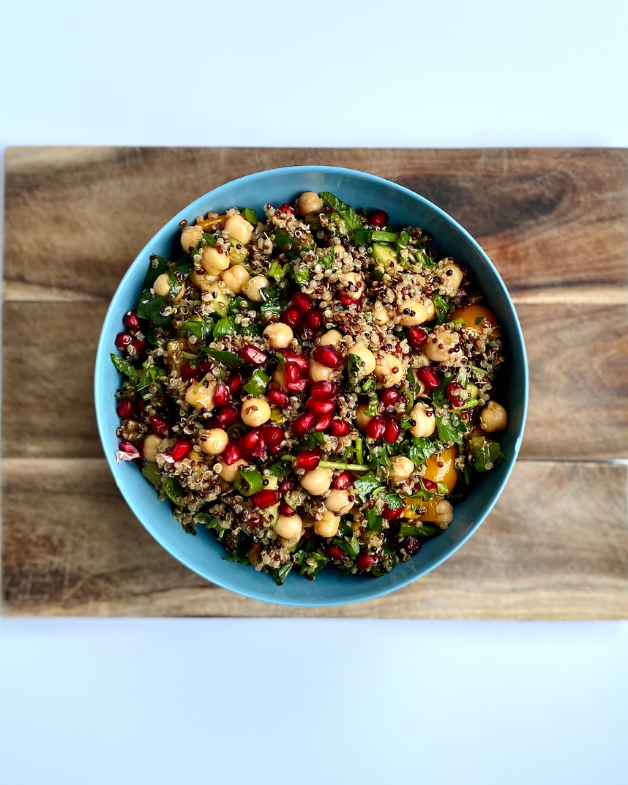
{"x": 313, "y": 384}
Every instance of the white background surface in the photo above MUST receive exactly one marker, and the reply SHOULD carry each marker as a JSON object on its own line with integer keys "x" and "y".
{"x": 235, "y": 701}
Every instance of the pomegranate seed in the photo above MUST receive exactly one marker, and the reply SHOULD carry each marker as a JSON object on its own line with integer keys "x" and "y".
{"x": 412, "y": 545}
{"x": 349, "y": 301}
{"x": 309, "y": 459}
{"x": 392, "y": 430}
{"x": 343, "y": 481}
{"x": 140, "y": 405}
{"x": 364, "y": 562}
{"x": 320, "y": 406}
{"x": 334, "y": 552}
{"x": 127, "y": 446}
{"x": 138, "y": 345}
{"x": 272, "y": 435}
{"x": 251, "y": 354}
{"x": 292, "y": 372}
{"x": 302, "y": 425}
{"x": 123, "y": 340}
{"x": 379, "y": 218}
{"x": 265, "y": 498}
{"x": 340, "y": 427}
{"x": 125, "y": 408}
{"x": 222, "y": 395}
{"x": 204, "y": 366}
{"x": 235, "y": 383}
{"x": 227, "y": 415}
{"x": 291, "y": 316}
{"x": 286, "y": 486}
{"x": 180, "y": 450}
{"x": 187, "y": 372}
{"x": 389, "y": 397}
{"x": 314, "y": 320}
{"x": 392, "y": 515}
{"x": 276, "y": 449}
{"x": 429, "y": 485}
{"x": 252, "y": 444}
{"x": 231, "y": 454}
{"x": 159, "y": 425}
{"x": 323, "y": 421}
{"x": 324, "y": 390}
{"x": 302, "y": 360}
{"x": 298, "y": 387}
{"x": 130, "y": 320}
{"x": 428, "y": 376}
{"x": 302, "y": 302}
{"x": 278, "y": 398}
{"x": 376, "y": 427}
{"x": 285, "y": 508}
{"x": 328, "y": 356}
{"x": 452, "y": 393}
{"x": 285, "y": 208}
{"x": 417, "y": 337}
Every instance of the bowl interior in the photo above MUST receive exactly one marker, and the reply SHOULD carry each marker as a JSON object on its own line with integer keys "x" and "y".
{"x": 202, "y": 553}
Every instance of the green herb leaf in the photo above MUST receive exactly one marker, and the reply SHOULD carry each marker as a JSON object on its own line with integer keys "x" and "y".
{"x": 425, "y": 532}
{"x": 257, "y": 383}
{"x": 124, "y": 366}
{"x": 478, "y": 320}
{"x": 403, "y": 240}
{"x": 423, "y": 258}
{"x": 287, "y": 243}
{"x": 484, "y": 452}
{"x": 302, "y": 275}
{"x": 281, "y": 360}
{"x": 363, "y": 237}
{"x": 272, "y": 302}
{"x": 366, "y": 485}
{"x": 226, "y": 358}
{"x": 250, "y": 215}
{"x": 201, "y": 330}
{"x": 280, "y": 469}
{"x": 278, "y": 271}
{"x": 420, "y": 450}
{"x": 393, "y": 501}
{"x": 442, "y": 308}
{"x": 327, "y": 260}
{"x": 282, "y": 573}
{"x": 172, "y": 490}
{"x": 210, "y": 239}
{"x": 371, "y": 409}
{"x": 346, "y": 212}
{"x": 442, "y": 488}
{"x": 224, "y": 326}
{"x": 152, "y": 474}
{"x": 374, "y": 521}
{"x": 354, "y": 364}
{"x": 448, "y": 431}
{"x": 149, "y": 307}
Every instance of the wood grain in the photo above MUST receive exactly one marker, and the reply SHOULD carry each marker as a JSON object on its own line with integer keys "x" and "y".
{"x": 554, "y": 221}
{"x": 578, "y": 356}
{"x": 555, "y": 547}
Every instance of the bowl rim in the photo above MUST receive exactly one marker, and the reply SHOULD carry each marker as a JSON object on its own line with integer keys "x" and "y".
{"x": 102, "y": 356}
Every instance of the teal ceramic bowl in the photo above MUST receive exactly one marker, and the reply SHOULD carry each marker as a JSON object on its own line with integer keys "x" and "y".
{"x": 202, "y": 553}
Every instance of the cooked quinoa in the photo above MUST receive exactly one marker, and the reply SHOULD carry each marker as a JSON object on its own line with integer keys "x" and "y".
{"x": 315, "y": 387}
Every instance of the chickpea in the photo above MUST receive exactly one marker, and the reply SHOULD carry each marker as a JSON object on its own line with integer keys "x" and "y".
{"x": 331, "y": 338}
{"x": 390, "y": 370}
{"x": 253, "y": 288}
{"x": 203, "y": 397}
{"x": 444, "y": 513}
{"x": 214, "y": 441}
{"x": 412, "y": 312}
{"x": 280, "y": 377}
{"x": 328, "y": 524}
{"x": 309, "y": 202}
{"x": 214, "y": 260}
{"x": 317, "y": 481}
{"x": 228, "y": 473}
{"x": 451, "y": 276}
{"x": 493, "y": 417}
{"x": 191, "y": 236}
{"x": 152, "y": 447}
{"x": 236, "y": 278}
{"x": 431, "y": 309}
{"x": 239, "y": 228}
{"x": 338, "y": 251}
{"x": 254, "y": 412}
{"x": 380, "y": 314}
{"x": 425, "y": 422}
{"x": 289, "y": 527}
{"x": 279, "y": 335}
{"x": 472, "y": 390}
{"x": 361, "y": 417}
{"x": 201, "y": 281}
{"x": 400, "y": 467}
{"x": 161, "y": 287}
{"x": 352, "y": 284}
{"x": 339, "y": 501}
{"x": 367, "y": 357}
{"x": 320, "y": 373}
{"x": 440, "y": 343}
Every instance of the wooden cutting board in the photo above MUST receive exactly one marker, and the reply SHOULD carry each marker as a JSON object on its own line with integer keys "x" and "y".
{"x": 555, "y": 222}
